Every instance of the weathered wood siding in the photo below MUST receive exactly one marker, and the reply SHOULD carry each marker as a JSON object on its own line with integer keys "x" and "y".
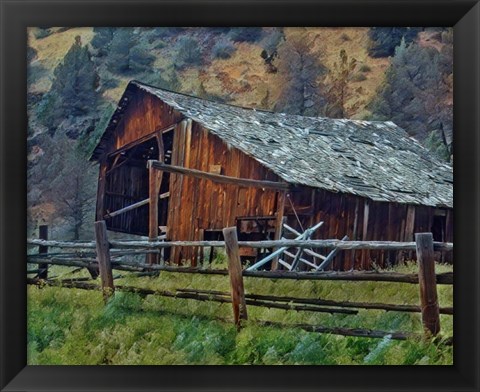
{"x": 144, "y": 115}
{"x": 363, "y": 220}
{"x": 197, "y": 204}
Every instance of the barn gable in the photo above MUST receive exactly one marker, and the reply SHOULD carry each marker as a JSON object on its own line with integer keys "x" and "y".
{"x": 375, "y": 160}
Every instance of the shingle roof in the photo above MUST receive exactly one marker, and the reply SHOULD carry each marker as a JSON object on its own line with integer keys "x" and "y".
{"x": 372, "y": 159}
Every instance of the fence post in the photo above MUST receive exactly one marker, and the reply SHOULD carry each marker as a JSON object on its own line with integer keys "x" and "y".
{"x": 42, "y": 249}
{"x": 103, "y": 258}
{"x": 428, "y": 283}
{"x": 235, "y": 273}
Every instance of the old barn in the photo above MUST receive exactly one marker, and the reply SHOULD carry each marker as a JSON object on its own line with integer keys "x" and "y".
{"x": 260, "y": 170}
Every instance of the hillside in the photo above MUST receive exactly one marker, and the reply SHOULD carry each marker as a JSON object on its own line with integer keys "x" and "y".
{"x": 243, "y": 78}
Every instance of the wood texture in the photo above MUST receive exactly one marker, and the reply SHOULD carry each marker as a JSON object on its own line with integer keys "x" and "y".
{"x": 235, "y": 272}
{"x": 219, "y": 178}
{"x": 427, "y": 283}
{"x": 103, "y": 259}
{"x": 100, "y": 209}
{"x": 155, "y": 179}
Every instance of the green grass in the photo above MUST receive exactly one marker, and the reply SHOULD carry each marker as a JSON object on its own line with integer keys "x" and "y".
{"x": 70, "y": 326}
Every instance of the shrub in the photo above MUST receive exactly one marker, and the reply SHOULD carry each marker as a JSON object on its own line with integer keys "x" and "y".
{"x": 188, "y": 52}
{"x": 365, "y": 68}
{"x": 223, "y": 49}
{"x": 272, "y": 40}
{"x": 358, "y": 77}
{"x": 245, "y": 34}
{"x": 345, "y": 37}
{"x": 42, "y": 33}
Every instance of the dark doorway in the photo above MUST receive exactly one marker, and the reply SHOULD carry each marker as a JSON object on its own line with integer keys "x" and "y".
{"x": 126, "y": 184}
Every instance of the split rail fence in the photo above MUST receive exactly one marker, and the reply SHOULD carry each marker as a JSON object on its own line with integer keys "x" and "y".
{"x": 103, "y": 256}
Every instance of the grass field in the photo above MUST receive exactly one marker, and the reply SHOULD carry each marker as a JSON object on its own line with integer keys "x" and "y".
{"x": 71, "y": 326}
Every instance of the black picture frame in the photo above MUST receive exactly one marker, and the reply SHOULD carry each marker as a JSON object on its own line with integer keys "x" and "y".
{"x": 17, "y": 15}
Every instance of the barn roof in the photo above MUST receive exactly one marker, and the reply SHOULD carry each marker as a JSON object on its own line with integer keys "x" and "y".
{"x": 372, "y": 159}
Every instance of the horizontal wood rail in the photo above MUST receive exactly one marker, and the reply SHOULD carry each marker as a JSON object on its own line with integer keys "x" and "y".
{"x": 358, "y": 276}
{"x": 218, "y": 177}
{"x": 334, "y": 243}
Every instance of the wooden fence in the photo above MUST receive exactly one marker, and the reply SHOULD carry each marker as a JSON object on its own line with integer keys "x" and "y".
{"x": 102, "y": 256}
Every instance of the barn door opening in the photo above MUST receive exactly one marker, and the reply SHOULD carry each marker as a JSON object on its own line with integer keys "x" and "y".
{"x": 126, "y": 183}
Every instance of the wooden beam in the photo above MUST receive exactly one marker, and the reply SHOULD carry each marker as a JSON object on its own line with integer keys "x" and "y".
{"x": 126, "y": 209}
{"x": 101, "y": 190}
{"x": 103, "y": 259}
{"x": 279, "y": 222}
{"x": 235, "y": 272}
{"x": 410, "y": 223}
{"x": 361, "y": 276}
{"x": 218, "y": 177}
{"x": 447, "y": 246}
{"x": 365, "y": 253}
{"x": 154, "y": 182}
{"x": 141, "y": 140}
{"x": 427, "y": 283}
{"x": 133, "y": 206}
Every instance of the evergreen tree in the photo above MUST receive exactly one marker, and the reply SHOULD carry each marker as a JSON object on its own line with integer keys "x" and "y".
{"x": 101, "y": 40}
{"x": 303, "y": 92}
{"x": 340, "y": 77}
{"x": 245, "y": 34}
{"x": 416, "y": 94}
{"x": 188, "y": 52}
{"x": 74, "y": 87}
{"x": 127, "y": 55}
{"x": 384, "y": 40}
{"x": 65, "y": 178}
{"x": 31, "y": 54}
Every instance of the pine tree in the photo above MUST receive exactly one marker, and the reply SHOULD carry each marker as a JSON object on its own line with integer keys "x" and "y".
{"x": 102, "y": 39}
{"x": 74, "y": 87}
{"x": 127, "y": 55}
{"x": 384, "y": 40}
{"x": 118, "y": 58}
{"x": 340, "y": 77}
{"x": 303, "y": 92}
{"x": 416, "y": 94}
{"x": 64, "y": 177}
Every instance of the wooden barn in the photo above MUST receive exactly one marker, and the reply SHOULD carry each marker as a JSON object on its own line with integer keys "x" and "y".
{"x": 221, "y": 165}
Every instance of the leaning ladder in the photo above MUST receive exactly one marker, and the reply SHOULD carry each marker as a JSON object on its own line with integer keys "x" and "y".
{"x": 297, "y": 257}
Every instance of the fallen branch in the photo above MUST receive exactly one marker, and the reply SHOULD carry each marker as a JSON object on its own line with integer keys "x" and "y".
{"x": 325, "y": 302}
{"x": 198, "y": 297}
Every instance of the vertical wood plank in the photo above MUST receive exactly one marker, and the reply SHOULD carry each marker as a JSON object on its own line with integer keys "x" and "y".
{"x": 354, "y": 229}
{"x": 235, "y": 273}
{"x": 409, "y": 228}
{"x": 448, "y": 256}
{"x": 427, "y": 282}
{"x": 279, "y": 222}
{"x": 43, "y": 235}
{"x": 365, "y": 253}
{"x": 154, "y": 182}
{"x": 103, "y": 258}
{"x": 410, "y": 223}
{"x": 100, "y": 210}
